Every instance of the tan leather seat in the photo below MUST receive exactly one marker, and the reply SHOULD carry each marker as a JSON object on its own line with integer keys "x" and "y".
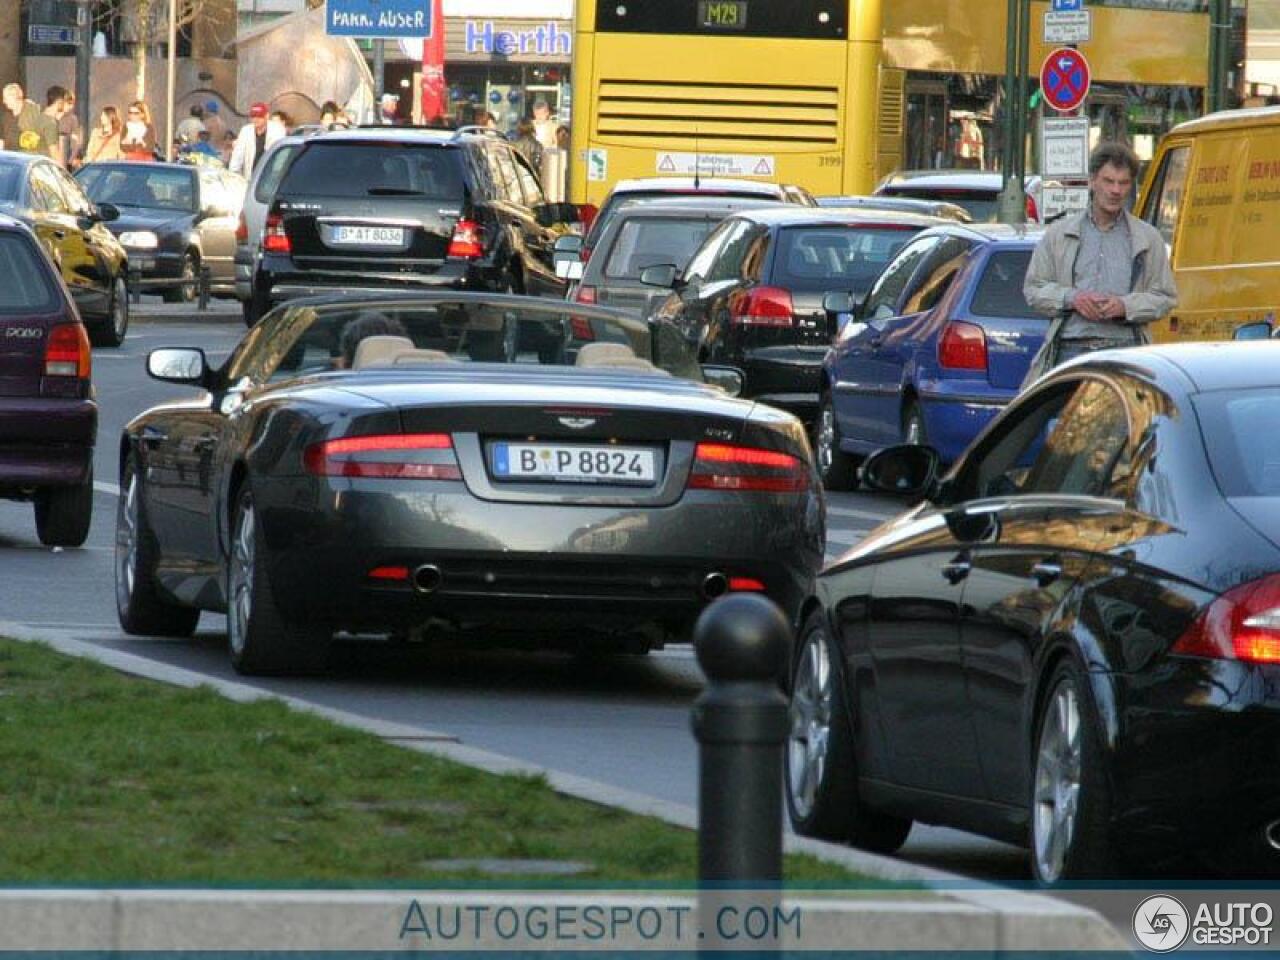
{"x": 379, "y": 351}
{"x": 600, "y": 354}
{"x": 422, "y": 356}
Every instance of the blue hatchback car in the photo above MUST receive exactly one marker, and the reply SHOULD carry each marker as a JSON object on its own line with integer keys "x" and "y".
{"x": 938, "y": 347}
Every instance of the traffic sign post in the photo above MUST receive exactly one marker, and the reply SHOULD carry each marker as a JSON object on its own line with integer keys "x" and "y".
{"x": 1064, "y": 79}
{"x": 1068, "y": 27}
{"x": 1064, "y": 148}
{"x": 371, "y": 19}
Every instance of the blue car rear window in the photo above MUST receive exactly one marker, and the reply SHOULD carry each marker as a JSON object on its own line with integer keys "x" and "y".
{"x": 999, "y": 292}
{"x": 28, "y": 287}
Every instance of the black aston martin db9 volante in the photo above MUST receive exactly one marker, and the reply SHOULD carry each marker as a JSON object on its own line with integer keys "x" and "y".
{"x": 1074, "y": 641}
{"x": 380, "y": 466}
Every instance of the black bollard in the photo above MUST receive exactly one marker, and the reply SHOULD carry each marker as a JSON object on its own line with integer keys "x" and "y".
{"x": 134, "y": 283}
{"x": 206, "y": 280}
{"x": 740, "y": 721}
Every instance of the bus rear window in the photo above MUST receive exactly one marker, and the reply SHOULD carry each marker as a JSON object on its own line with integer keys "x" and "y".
{"x": 811, "y": 19}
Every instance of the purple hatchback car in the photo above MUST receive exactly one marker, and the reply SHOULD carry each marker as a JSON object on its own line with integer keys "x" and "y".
{"x": 48, "y": 417}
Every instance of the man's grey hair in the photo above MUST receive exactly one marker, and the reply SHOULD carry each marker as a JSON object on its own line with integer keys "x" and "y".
{"x": 1117, "y": 155}
{"x": 14, "y": 90}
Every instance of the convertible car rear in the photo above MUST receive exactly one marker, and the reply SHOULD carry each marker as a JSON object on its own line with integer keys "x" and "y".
{"x": 437, "y": 474}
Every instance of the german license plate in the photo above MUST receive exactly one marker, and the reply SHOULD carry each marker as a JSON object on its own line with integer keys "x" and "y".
{"x": 368, "y": 236}
{"x": 574, "y": 463}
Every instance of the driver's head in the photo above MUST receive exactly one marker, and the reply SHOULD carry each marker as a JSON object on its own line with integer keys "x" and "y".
{"x": 366, "y": 323}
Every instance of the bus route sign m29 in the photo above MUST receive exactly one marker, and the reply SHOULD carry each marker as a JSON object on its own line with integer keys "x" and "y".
{"x": 378, "y": 18}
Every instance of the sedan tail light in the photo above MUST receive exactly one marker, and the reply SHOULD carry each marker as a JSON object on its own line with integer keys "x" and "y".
{"x": 400, "y": 456}
{"x": 722, "y": 466}
{"x": 1242, "y": 624}
{"x": 585, "y": 294}
{"x": 467, "y": 242}
{"x": 67, "y": 353}
{"x": 963, "y": 346}
{"x": 762, "y": 307}
{"x": 274, "y": 239}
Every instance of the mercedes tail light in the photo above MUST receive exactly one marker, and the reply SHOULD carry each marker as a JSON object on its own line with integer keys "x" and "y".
{"x": 723, "y": 466}
{"x": 274, "y": 239}
{"x": 963, "y": 346}
{"x": 398, "y": 456}
{"x": 762, "y": 307}
{"x": 467, "y": 242}
{"x": 67, "y": 353}
{"x": 1242, "y": 624}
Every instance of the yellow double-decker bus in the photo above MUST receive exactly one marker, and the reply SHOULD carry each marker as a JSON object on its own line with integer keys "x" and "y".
{"x": 785, "y": 91}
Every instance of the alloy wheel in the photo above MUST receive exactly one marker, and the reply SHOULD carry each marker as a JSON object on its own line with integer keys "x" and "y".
{"x": 240, "y": 579}
{"x": 120, "y": 311}
{"x": 826, "y": 438}
{"x": 810, "y": 737}
{"x": 188, "y": 287}
{"x": 127, "y": 538}
{"x": 1057, "y": 783}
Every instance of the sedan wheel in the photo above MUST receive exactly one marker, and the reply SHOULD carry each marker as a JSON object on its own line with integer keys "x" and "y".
{"x": 1070, "y": 797}
{"x": 186, "y": 291}
{"x": 111, "y": 331}
{"x": 839, "y": 470}
{"x": 139, "y": 605}
{"x": 260, "y": 640}
{"x": 821, "y": 771}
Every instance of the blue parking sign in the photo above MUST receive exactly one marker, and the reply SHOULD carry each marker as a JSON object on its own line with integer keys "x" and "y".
{"x": 378, "y": 18}
{"x": 1064, "y": 6}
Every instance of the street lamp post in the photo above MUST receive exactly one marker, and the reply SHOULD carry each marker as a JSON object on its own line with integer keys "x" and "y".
{"x": 1013, "y": 201}
{"x": 84, "y": 23}
{"x": 172, "y": 80}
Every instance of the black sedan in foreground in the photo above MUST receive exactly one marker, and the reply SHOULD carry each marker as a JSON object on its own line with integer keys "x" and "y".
{"x": 1073, "y": 642}
{"x": 394, "y": 465}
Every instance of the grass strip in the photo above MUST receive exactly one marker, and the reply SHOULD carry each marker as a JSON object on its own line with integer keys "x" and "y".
{"x": 115, "y": 780}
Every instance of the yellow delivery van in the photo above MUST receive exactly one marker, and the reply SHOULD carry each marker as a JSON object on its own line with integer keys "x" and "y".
{"x": 1213, "y": 192}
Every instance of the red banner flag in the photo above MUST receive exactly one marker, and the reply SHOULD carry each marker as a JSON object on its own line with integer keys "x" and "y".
{"x": 435, "y": 100}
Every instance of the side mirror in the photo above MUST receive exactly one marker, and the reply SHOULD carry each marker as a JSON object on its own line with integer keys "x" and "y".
{"x": 570, "y": 243}
{"x": 552, "y": 214}
{"x": 904, "y": 470}
{"x": 566, "y": 257}
{"x": 1253, "y": 331}
{"x": 570, "y": 269}
{"x": 106, "y": 212}
{"x": 659, "y": 275}
{"x": 839, "y": 301}
{"x": 178, "y": 365}
{"x": 728, "y": 379}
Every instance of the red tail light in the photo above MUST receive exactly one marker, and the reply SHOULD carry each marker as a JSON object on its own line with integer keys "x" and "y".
{"x": 722, "y": 466}
{"x": 467, "y": 242}
{"x": 585, "y": 294}
{"x": 588, "y": 212}
{"x": 581, "y": 328}
{"x": 1242, "y": 624}
{"x": 274, "y": 239}
{"x": 401, "y": 456}
{"x": 1033, "y": 212}
{"x": 67, "y": 353}
{"x": 389, "y": 573}
{"x": 762, "y": 307}
{"x": 242, "y": 230}
{"x": 963, "y": 347}
{"x": 745, "y": 585}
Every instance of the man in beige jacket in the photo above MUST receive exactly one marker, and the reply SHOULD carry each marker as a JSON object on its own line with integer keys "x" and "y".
{"x": 1104, "y": 271}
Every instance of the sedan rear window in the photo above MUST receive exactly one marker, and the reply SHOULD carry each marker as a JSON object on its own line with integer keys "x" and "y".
{"x": 1239, "y": 430}
{"x": 983, "y": 205}
{"x": 374, "y": 169}
{"x": 999, "y": 292}
{"x": 28, "y": 287}
{"x": 836, "y": 257}
{"x": 645, "y": 242}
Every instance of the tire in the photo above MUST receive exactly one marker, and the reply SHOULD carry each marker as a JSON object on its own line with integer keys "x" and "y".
{"x": 186, "y": 292}
{"x": 63, "y": 514}
{"x": 141, "y": 609}
{"x": 820, "y": 768}
{"x": 1070, "y": 795}
{"x": 260, "y": 640}
{"x": 111, "y": 331}
{"x": 913, "y": 430}
{"x": 839, "y": 470}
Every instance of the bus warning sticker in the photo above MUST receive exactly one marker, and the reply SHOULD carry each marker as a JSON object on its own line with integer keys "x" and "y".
{"x": 597, "y": 165}
{"x": 716, "y": 164}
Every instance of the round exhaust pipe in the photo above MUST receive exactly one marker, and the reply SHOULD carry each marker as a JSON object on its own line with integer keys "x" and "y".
{"x": 427, "y": 578}
{"x": 1272, "y": 832}
{"x": 714, "y": 585}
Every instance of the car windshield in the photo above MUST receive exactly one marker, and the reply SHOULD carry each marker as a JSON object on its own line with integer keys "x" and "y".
{"x": 646, "y": 241}
{"x": 837, "y": 257}
{"x": 405, "y": 335}
{"x": 10, "y": 183}
{"x": 140, "y": 185}
{"x": 1239, "y": 432}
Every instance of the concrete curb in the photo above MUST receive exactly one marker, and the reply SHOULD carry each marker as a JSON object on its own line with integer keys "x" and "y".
{"x": 965, "y": 915}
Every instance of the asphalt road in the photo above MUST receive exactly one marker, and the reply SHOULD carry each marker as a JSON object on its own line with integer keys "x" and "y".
{"x": 621, "y": 720}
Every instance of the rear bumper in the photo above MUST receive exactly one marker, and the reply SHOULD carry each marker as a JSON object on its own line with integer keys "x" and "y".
{"x": 278, "y": 280}
{"x": 550, "y": 570}
{"x": 45, "y": 442}
{"x": 792, "y": 385}
{"x": 954, "y": 414}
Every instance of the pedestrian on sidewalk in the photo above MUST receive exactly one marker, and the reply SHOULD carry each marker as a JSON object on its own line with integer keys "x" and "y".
{"x": 104, "y": 140}
{"x": 189, "y": 129}
{"x": 70, "y": 134}
{"x": 253, "y": 140}
{"x": 527, "y": 145}
{"x": 26, "y": 127}
{"x": 139, "y": 140}
{"x": 1102, "y": 274}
